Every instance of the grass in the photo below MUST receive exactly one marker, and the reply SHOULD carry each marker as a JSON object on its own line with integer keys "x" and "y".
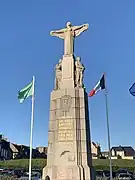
{"x": 116, "y": 164}
{"x": 23, "y": 163}
{"x": 40, "y": 163}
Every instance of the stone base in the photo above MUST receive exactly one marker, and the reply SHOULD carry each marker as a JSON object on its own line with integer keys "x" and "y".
{"x": 68, "y": 173}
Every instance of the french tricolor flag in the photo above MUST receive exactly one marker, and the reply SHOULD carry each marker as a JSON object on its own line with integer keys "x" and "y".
{"x": 99, "y": 86}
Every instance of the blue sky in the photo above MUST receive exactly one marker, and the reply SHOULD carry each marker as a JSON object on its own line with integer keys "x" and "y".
{"x": 27, "y": 49}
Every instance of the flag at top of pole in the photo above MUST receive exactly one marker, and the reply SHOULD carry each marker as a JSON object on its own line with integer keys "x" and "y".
{"x": 25, "y": 92}
{"x": 99, "y": 86}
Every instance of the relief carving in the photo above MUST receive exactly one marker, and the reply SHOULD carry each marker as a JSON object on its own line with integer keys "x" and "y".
{"x": 65, "y": 103}
{"x": 64, "y": 152}
{"x": 58, "y": 75}
{"x": 79, "y": 73}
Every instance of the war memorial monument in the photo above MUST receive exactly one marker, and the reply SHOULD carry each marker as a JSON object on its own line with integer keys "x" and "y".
{"x": 69, "y": 152}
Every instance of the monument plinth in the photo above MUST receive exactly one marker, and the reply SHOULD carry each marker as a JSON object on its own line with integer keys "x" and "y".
{"x": 69, "y": 152}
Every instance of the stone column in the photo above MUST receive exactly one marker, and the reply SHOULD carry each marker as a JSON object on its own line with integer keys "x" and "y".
{"x": 67, "y": 72}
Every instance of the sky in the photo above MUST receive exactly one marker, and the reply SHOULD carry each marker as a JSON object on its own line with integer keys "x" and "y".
{"x": 27, "y": 49}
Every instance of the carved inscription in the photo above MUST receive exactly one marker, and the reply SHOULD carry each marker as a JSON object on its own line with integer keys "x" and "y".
{"x": 65, "y": 124}
{"x": 65, "y": 130}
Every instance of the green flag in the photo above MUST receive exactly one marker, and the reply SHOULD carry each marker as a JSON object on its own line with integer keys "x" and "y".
{"x": 25, "y": 92}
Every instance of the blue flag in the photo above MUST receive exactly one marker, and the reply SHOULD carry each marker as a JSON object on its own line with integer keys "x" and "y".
{"x": 132, "y": 90}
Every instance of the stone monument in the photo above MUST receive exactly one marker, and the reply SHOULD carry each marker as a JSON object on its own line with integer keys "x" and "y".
{"x": 69, "y": 144}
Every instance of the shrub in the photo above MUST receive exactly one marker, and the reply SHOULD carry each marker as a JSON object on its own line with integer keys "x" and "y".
{"x": 23, "y": 164}
{"x": 40, "y": 163}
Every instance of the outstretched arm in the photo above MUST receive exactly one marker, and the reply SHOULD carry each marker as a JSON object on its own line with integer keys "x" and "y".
{"x": 58, "y": 33}
{"x": 79, "y": 29}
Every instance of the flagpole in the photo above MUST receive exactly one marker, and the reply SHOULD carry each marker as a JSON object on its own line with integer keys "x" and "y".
{"x": 32, "y": 122}
{"x": 108, "y": 130}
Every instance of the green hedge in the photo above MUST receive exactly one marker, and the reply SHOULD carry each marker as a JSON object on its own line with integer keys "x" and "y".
{"x": 23, "y": 163}
{"x": 116, "y": 164}
{"x": 97, "y": 163}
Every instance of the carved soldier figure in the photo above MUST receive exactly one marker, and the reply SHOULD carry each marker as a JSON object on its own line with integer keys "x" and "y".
{"x": 58, "y": 74}
{"x": 79, "y": 72}
{"x": 68, "y": 34}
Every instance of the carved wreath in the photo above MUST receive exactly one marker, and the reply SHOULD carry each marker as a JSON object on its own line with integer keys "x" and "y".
{"x": 66, "y": 102}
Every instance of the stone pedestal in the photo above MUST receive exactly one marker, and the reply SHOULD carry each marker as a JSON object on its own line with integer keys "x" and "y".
{"x": 69, "y": 152}
{"x": 67, "y": 80}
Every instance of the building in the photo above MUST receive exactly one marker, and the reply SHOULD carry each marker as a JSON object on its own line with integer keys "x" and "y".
{"x": 23, "y": 152}
{"x": 42, "y": 149}
{"x": 122, "y": 152}
{"x": 14, "y": 150}
{"x": 95, "y": 150}
{"x": 10, "y": 150}
{"x": 104, "y": 154}
{"x": 5, "y": 152}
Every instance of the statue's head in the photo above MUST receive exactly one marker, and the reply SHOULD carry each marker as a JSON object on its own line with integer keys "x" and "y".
{"x": 60, "y": 60}
{"x": 68, "y": 24}
{"x": 78, "y": 59}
